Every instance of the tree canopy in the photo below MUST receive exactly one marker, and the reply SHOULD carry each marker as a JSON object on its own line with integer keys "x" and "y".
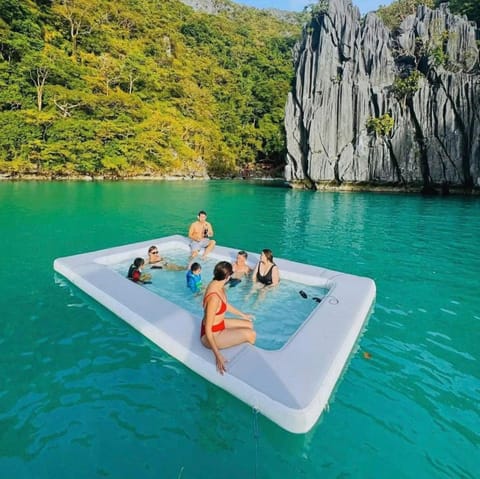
{"x": 133, "y": 87}
{"x": 470, "y": 8}
{"x": 393, "y": 14}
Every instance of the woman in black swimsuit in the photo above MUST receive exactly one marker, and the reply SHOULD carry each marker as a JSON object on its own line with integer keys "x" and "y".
{"x": 266, "y": 272}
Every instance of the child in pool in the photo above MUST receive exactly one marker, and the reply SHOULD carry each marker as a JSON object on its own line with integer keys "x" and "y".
{"x": 194, "y": 278}
{"x": 135, "y": 272}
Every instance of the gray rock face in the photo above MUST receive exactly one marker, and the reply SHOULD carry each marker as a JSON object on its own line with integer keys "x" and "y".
{"x": 353, "y": 72}
{"x": 212, "y": 7}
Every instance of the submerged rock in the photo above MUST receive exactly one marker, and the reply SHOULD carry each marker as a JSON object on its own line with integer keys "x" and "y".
{"x": 376, "y": 107}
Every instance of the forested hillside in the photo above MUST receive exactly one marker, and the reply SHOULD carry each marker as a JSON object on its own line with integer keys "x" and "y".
{"x": 140, "y": 87}
{"x": 394, "y": 13}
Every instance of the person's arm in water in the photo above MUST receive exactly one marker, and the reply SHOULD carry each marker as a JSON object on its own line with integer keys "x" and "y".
{"x": 254, "y": 274}
{"x": 145, "y": 278}
{"x": 231, "y": 309}
{"x": 275, "y": 276}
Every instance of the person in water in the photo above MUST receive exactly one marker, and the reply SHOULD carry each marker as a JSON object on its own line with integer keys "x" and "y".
{"x": 217, "y": 332}
{"x": 266, "y": 271}
{"x": 155, "y": 261}
{"x": 240, "y": 269}
{"x": 240, "y": 266}
{"x": 194, "y": 278}
{"x": 200, "y": 234}
{"x": 135, "y": 272}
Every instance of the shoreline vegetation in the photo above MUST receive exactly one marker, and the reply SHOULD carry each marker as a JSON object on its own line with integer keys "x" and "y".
{"x": 271, "y": 180}
{"x": 96, "y": 90}
{"x": 92, "y": 88}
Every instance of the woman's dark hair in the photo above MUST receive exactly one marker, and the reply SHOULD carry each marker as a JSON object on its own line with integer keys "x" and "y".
{"x": 268, "y": 254}
{"x": 222, "y": 270}
{"x": 138, "y": 262}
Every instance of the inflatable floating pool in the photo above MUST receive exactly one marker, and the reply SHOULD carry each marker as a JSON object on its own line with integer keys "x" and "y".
{"x": 292, "y": 385}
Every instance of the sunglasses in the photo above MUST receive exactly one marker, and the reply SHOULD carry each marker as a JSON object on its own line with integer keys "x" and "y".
{"x": 153, "y": 252}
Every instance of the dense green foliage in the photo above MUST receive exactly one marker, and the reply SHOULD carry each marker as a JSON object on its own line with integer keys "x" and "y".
{"x": 407, "y": 86}
{"x": 381, "y": 125}
{"x": 470, "y": 8}
{"x": 393, "y": 14}
{"x": 129, "y": 87}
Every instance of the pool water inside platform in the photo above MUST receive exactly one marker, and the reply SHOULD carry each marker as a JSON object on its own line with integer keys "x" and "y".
{"x": 279, "y": 311}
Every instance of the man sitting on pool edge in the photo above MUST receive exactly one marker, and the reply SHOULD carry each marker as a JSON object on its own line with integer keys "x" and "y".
{"x": 200, "y": 233}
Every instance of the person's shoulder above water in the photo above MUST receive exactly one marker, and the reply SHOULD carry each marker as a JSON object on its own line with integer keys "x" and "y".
{"x": 266, "y": 271}
{"x": 194, "y": 278}
{"x": 135, "y": 272}
{"x": 156, "y": 261}
{"x": 240, "y": 266}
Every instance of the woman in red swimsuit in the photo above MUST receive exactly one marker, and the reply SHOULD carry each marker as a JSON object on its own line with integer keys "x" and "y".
{"x": 217, "y": 332}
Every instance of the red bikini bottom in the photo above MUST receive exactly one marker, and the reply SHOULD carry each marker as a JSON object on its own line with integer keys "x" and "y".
{"x": 215, "y": 328}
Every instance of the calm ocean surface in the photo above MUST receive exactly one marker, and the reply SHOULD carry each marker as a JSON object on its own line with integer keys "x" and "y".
{"x": 83, "y": 395}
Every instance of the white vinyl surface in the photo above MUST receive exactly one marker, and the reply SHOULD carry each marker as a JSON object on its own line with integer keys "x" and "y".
{"x": 292, "y": 385}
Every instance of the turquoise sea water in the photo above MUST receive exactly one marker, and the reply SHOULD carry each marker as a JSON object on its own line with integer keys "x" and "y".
{"x": 83, "y": 395}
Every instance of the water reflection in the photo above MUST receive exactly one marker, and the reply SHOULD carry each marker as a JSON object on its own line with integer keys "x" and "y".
{"x": 83, "y": 392}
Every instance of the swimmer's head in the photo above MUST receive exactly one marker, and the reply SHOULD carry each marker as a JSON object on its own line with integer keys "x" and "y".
{"x": 138, "y": 262}
{"x": 222, "y": 270}
{"x": 268, "y": 254}
{"x": 195, "y": 268}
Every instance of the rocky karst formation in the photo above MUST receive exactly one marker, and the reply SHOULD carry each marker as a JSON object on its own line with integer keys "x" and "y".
{"x": 212, "y": 7}
{"x": 215, "y": 7}
{"x": 373, "y": 107}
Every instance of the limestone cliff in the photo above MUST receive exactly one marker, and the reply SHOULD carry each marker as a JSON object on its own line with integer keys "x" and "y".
{"x": 376, "y": 107}
{"x": 212, "y": 7}
{"x": 215, "y": 7}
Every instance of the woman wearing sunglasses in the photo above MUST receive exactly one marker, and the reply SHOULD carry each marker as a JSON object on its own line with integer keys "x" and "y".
{"x": 155, "y": 261}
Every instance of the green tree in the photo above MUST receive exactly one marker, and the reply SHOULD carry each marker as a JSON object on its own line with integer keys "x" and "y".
{"x": 131, "y": 87}
{"x": 393, "y": 14}
{"x": 78, "y": 18}
{"x": 470, "y": 8}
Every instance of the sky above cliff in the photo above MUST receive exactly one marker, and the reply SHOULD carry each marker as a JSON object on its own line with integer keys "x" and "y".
{"x": 298, "y": 5}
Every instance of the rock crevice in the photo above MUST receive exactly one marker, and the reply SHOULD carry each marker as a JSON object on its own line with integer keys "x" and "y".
{"x": 352, "y": 73}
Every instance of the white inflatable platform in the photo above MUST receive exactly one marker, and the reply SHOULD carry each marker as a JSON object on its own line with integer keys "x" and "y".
{"x": 292, "y": 385}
